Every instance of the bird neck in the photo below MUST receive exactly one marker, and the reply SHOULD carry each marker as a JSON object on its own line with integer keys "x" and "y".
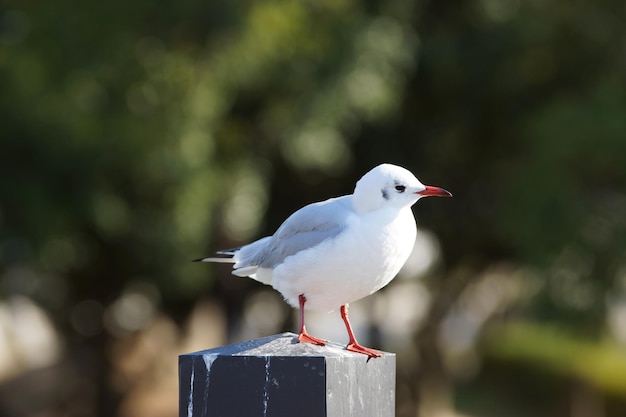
{"x": 365, "y": 207}
{"x": 362, "y": 205}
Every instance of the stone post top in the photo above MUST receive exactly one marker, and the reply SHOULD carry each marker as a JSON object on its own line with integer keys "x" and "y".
{"x": 284, "y": 345}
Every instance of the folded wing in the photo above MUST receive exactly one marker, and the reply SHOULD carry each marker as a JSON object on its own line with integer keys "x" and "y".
{"x": 304, "y": 229}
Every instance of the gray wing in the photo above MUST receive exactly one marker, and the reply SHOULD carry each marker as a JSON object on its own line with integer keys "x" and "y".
{"x": 304, "y": 229}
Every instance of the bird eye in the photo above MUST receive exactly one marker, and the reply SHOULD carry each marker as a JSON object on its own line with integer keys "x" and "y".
{"x": 400, "y": 188}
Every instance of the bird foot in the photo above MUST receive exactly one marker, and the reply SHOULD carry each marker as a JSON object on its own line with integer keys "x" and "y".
{"x": 304, "y": 337}
{"x": 372, "y": 353}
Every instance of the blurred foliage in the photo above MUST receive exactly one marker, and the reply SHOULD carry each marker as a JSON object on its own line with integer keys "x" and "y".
{"x": 138, "y": 136}
{"x": 602, "y": 364}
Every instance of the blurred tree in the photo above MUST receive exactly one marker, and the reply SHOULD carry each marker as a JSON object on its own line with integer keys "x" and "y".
{"x": 138, "y": 136}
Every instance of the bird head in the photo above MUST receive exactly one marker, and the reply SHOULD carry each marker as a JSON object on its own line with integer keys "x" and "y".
{"x": 391, "y": 186}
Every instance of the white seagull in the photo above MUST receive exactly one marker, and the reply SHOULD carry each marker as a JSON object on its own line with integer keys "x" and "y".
{"x": 334, "y": 252}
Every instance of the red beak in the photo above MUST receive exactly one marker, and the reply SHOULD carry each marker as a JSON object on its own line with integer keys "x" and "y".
{"x": 434, "y": 192}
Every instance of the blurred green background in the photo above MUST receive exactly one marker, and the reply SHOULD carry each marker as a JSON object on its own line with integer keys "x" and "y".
{"x": 136, "y": 136}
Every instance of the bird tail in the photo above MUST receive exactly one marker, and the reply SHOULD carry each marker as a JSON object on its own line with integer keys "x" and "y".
{"x": 220, "y": 260}
{"x": 248, "y": 271}
{"x": 243, "y": 267}
{"x": 227, "y": 257}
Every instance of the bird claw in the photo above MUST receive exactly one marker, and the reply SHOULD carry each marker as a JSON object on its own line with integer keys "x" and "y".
{"x": 372, "y": 353}
{"x": 304, "y": 337}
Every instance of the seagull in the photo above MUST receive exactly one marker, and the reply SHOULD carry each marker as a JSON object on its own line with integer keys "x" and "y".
{"x": 331, "y": 253}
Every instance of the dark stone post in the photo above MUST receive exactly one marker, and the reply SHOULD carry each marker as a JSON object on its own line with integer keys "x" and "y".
{"x": 276, "y": 377}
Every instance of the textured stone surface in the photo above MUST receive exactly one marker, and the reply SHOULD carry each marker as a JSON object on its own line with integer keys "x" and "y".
{"x": 275, "y": 376}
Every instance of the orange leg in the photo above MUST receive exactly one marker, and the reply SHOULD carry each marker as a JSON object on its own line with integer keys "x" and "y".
{"x": 304, "y": 337}
{"x": 353, "y": 345}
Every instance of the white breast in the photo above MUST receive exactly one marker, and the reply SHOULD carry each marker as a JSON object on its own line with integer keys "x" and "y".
{"x": 360, "y": 261}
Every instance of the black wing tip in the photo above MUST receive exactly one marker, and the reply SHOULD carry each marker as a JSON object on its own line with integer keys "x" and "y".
{"x": 198, "y": 260}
